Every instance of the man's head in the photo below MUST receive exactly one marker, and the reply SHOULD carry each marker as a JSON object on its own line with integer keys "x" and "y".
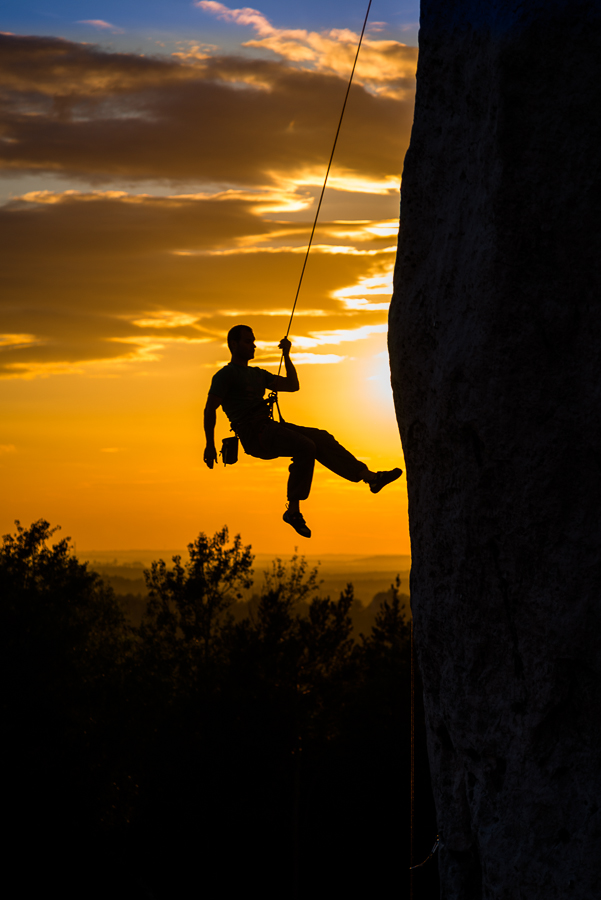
{"x": 241, "y": 341}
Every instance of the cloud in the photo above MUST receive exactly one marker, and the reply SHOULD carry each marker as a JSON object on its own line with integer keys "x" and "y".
{"x": 330, "y": 249}
{"x": 77, "y": 111}
{"x": 321, "y": 338}
{"x": 98, "y": 278}
{"x": 37, "y": 67}
{"x": 317, "y": 359}
{"x": 104, "y": 279}
{"x": 101, "y": 25}
{"x": 246, "y": 16}
{"x": 17, "y": 340}
{"x": 304, "y": 343}
{"x": 385, "y": 66}
{"x": 360, "y": 296}
{"x": 165, "y": 319}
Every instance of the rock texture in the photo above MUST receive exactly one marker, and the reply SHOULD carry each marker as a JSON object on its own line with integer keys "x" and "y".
{"x": 495, "y": 346}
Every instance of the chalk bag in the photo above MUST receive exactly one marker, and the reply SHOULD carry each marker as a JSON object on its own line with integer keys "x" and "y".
{"x": 229, "y": 451}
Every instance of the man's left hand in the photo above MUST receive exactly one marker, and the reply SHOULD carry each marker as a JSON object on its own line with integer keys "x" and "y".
{"x": 285, "y": 346}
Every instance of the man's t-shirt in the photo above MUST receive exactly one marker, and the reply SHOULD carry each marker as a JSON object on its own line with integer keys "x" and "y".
{"x": 241, "y": 389}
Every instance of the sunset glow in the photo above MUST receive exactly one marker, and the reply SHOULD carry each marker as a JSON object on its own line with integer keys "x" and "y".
{"x": 153, "y": 198}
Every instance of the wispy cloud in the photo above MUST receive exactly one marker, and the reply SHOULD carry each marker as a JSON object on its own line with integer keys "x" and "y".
{"x": 317, "y": 359}
{"x": 245, "y": 16}
{"x": 166, "y": 319}
{"x": 385, "y": 66}
{"x": 340, "y": 336}
{"x": 16, "y": 341}
{"x": 101, "y": 25}
{"x": 143, "y": 297}
{"x": 75, "y": 110}
{"x": 328, "y": 249}
{"x": 361, "y": 296}
{"x": 300, "y": 359}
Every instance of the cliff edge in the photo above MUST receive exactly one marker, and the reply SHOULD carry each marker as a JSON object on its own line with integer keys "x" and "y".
{"x": 495, "y": 348}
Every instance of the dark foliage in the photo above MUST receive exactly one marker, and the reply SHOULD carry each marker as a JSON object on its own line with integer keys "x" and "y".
{"x": 64, "y": 648}
{"x": 196, "y": 752}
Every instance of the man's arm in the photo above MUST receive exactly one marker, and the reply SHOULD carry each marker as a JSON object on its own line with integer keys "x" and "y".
{"x": 290, "y": 382}
{"x": 210, "y": 418}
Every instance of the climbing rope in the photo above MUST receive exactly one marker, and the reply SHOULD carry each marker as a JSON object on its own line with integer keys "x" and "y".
{"x": 412, "y": 801}
{"x": 273, "y": 399}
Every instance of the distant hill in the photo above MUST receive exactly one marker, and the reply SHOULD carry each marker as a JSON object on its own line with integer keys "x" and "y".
{"x": 370, "y": 575}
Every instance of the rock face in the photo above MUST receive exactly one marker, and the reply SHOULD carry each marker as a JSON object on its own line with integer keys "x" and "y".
{"x": 495, "y": 346}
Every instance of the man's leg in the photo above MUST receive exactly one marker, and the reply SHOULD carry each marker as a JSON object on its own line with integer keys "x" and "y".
{"x": 333, "y": 455}
{"x": 305, "y": 445}
{"x": 340, "y": 461}
{"x": 278, "y": 440}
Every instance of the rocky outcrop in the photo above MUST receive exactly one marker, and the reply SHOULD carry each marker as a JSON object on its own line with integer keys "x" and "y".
{"x": 495, "y": 347}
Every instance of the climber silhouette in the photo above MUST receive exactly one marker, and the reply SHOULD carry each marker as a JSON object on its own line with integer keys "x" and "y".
{"x": 239, "y": 388}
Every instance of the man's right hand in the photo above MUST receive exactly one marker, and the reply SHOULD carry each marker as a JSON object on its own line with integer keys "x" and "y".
{"x": 285, "y": 346}
{"x": 210, "y": 456}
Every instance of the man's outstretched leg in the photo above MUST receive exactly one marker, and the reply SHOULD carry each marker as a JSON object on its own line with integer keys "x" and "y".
{"x": 378, "y": 480}
{"x": 339, "y": 460}
{"x": 305, "y": 445}
{"x": 321, "y": 445}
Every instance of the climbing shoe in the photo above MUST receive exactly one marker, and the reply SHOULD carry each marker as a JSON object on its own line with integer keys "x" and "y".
{"x": 384, "y": 478}
{"x": 297, "y": 522}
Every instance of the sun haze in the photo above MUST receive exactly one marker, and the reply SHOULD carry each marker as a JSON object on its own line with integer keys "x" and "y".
{"x": 152, "y": 200}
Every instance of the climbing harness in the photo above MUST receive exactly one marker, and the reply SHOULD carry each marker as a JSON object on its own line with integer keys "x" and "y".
{"x": 264, "y": 411}
{"x": 273, "y": 397}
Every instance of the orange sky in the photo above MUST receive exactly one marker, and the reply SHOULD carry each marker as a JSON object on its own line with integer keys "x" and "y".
{"x": 150, "y": 203}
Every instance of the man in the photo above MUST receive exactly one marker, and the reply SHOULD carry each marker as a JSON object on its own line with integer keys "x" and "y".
{"x": 239, "y": 388}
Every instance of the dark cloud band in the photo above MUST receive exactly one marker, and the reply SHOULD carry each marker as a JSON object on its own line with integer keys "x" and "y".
{"x": 76, "y": 110}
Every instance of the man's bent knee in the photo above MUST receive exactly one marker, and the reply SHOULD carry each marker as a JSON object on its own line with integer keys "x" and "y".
{"x": 303, "y": 448}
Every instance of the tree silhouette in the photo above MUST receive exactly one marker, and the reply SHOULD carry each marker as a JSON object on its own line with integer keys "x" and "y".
{"x": 64, "y": 631}
{"x": 195, "y": 740}
{"x": 187, "y": 608}
{"x": 63, "y": 645}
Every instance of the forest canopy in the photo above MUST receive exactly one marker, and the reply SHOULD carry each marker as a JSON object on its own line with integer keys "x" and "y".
{"x": 197, "y": 734}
